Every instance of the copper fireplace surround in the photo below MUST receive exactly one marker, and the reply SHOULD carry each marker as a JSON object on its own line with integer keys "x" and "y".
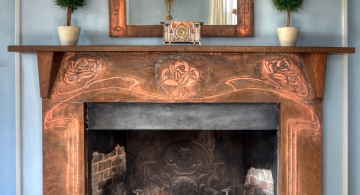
{"x": 294, "y": 77}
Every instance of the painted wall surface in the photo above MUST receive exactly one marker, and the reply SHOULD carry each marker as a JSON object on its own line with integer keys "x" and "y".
{"x": 7, "y": 99}
{"x": 354, "y": 98}
{"x": 39, "y": 25}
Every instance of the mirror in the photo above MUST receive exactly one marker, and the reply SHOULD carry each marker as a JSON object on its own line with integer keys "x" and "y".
{"x": 209, "y": 12}
{"x": 126, "y": 21}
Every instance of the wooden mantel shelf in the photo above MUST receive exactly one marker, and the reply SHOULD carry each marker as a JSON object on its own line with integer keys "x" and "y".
{"x": 50, "y": 58}
{"x": 179, "y": 48}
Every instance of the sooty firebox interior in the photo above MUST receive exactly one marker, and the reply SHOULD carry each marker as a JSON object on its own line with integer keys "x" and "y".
{"x": 182, "y": 149}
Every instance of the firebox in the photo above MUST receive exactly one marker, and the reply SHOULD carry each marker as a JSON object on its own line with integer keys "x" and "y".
{"x": 182, "y": 149}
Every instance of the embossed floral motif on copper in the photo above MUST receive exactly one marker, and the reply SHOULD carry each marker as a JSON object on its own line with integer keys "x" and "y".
{"x": 286, "y": 75}
{"x": 80, "y": 69}
{"x": 181, "y": 80}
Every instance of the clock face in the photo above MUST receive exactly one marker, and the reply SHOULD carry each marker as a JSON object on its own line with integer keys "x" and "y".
{"x": 182, "y": 32}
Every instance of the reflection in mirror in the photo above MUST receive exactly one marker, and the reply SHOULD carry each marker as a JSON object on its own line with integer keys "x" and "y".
{"x": 211, "y": 12}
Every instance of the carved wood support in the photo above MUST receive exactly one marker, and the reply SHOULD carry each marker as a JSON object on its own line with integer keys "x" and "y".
{"x": 48, "y": 66}
{"x": 315, "y": 65}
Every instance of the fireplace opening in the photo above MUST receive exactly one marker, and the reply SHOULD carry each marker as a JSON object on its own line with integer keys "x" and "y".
{"x": 182, "y": 149}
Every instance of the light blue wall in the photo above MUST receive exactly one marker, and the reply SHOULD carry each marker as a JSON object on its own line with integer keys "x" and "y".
{"x": 7, "y": 100}
{"x": 320, "y": 23}
{"x": 354, "y": 98}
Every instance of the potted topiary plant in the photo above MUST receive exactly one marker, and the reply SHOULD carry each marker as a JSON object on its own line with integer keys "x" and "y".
{"x": 288, "y": 35}
{"x": 69, "y": 35}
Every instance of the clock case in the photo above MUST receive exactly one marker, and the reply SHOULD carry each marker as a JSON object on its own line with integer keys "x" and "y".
{"x": 182, "y": 32}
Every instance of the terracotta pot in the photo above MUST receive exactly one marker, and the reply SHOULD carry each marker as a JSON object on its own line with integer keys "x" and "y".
{"x": 69, "y": 35}
{"x": 288, "y": 35}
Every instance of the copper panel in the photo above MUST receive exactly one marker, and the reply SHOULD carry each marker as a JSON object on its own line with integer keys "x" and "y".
{"x": 315, "y": 58}
{"x": 173, "y": 77}
{"x": 300, "y": 149}
{"x": 63, "y": 148}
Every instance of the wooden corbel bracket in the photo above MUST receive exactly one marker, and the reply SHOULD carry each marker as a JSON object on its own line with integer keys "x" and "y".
{"x": 315, "y": 65}
{"x": 48, "y": 66}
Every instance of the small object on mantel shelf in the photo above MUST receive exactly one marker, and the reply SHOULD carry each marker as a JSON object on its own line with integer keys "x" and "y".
{"x": 182, "y": 32}
{"x": 137, "y": 191}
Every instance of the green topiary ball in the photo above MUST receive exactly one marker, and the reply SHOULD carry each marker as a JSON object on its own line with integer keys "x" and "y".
{"x": 285, "y": 5}
{"x": 73, "y": 4}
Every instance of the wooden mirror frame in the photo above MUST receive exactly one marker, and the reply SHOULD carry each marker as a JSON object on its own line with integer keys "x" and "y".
{"x": 119, "y": 27}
